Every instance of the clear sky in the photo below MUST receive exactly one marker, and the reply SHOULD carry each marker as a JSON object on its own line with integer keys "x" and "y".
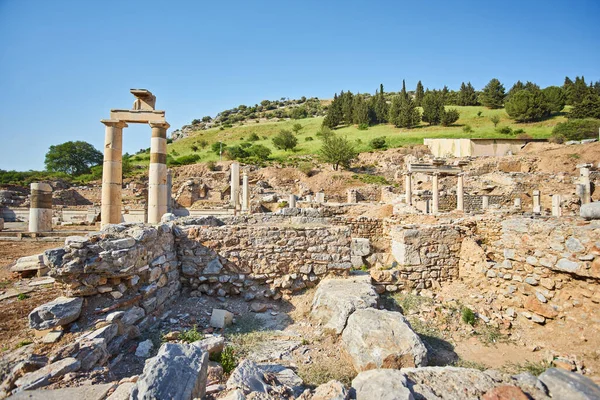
{"x": 65, "y": 64}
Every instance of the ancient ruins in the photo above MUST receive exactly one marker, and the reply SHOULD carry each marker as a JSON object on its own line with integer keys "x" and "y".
{"x": 458, "y": 279}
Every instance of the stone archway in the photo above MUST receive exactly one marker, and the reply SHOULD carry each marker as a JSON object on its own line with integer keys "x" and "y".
{"x": 142, "y": 112}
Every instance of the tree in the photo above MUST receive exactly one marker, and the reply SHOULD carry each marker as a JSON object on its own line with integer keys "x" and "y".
{"x": 577, "y": 91}
{"x": 419, "y": 94}
{"x": 467, "y": 96}
{"x": 495, "y": 120}
{"x": 285, "y": 140}
{"x": 449, "y": 116}
{"x": 404, "y": 112}
{"x": 334, "y": 113}
{"x": 296, "y": 128}
{"x": 73, "y": 158}
{"x": 492, "y": 95}
{"x": 337, "y": 151}
{"x": 556, "y": 98}
{"x": 403, "y": 93}
{"x": 528, "y": 105}
{"x": 380, "y": 106}
{"x": 433, "y": 107}
{"x": 347, "y": 102}
{"x": 589, "y": 107}
{"x": 360, "y": 109}
{"x": 259, "y": 151}
{"x": 515, "y": 88}
{"x": 217, "y": 147}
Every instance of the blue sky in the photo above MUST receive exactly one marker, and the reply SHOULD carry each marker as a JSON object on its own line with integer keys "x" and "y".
{"x": 65, "y": 64}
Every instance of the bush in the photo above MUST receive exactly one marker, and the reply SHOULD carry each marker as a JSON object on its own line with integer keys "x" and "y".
{"x": 194, "y": 148}
{"x": 259, "y": 151}
{"x": 527, "y": 105}
{"x": 236, "y": 152}
{"x": 577, "y": 129}
{"x": 363, "y": 127}
{"x": 217, "y": 146}
{"x": 191, "y": 335}
{"x": 253, "y": 137}
{"x": 285, "y": 140}
{"x": 202, "y": 143}
{"x": 324, "y": 132}
{"x": 308, "y": 139}
{"x": 185, "y": 160}
{"x": 467, "y": 129}
{"x": 505, "y": 130}
{"x": 228, "y": 360}
{"x": 306, "y": 168}
{"x": 449, "y": 117}
{"x": 468, "y": 316}
{"x": 337, "y": 151}
{"x": 211, "y": 166}
{"x": 495, "y": 120}
{"x": 378, "y": 143}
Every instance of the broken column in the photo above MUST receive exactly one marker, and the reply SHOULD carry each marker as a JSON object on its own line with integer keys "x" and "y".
{"x": 485, "y": 202}
{"x": 352, "y": 196}
{"x": 517, "y": 203}
{"x": 584, "y": 189}
{"x": 320, "y": 197}
{"x": 245, "y": 192}
{"x": 112, "y": 172}
{"x": 408, "y": 188}
{"x": 292, "y": 201}
{"x": 436, "y": 194}
{"x": 309, "y": 198}
{"x": 537, "y": 205}
{"x": 460, "y": 192}
{"x": 556, "y": 200}
{"x": 235, "y": 185}
{"x": 40, "y": 211}
{"x": 157, "y": 179}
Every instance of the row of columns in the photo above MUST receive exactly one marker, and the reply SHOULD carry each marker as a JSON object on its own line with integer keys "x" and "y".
{"x": 112, "y": 172}
{"x": 435, "y": 201}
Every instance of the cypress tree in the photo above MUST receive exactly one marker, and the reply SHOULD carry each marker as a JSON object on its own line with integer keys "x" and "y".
{"x": 419, "y": 93}
{"x": 360, "y": 110}
{"x": 380, "y": 106}
{"x": 578, "y": 91}
{"x": 492, "y": 95}
{"x": 404, "y": 94}
{"x": 334, "y": 114}
{"x": 433, "y": 107}
{"x": 409, "y": 114}
{"x": 394, "y": 111}
{"x": 462, "y": 100}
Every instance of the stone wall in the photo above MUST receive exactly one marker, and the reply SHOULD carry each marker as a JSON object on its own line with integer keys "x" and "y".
{"x": 230, "y": 259}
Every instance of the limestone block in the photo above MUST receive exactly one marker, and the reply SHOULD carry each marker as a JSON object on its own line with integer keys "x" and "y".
{"x": 381, "y": 384}
{"x": 563, "y": 384}
{"x": 382, "y": 339}
{"x": 360, "y": 247}
{"x": 41, "y": 377}
{"x": 87, "y": 392}
{"x": 590, "y": 210}
{"x": 220, "y": 318}
{"x": 179, "y": 371}
{"x": 332, "y": 390}
{"x": 58, "y": 312}
{"x": 248, "y": 377}
{"x": 211, "y": 344}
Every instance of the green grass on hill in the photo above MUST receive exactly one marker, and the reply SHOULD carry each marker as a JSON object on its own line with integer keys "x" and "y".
{"x": 395, "y": 137}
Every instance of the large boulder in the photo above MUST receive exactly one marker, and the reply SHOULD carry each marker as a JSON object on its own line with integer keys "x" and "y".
{"x": 248, "y": 377}
{"x": 563, "y": 384}
{"x": 58, "y": 312}
{"x": 381, "y": 384}
{"x": 178, "y": 372}
{"x": 42, "y": 376}
{"x": 382, "y": 339}
{"x": 590, "y": 210}
{"x": 336, "y": 299}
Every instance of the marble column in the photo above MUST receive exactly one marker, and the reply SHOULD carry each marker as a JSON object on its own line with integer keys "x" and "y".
{"x": 157, "y": 181}
{"x": 556, "y": 210}
{"x": 517, "y": 203}
{"x": 40, "y": 210}
{"x": 235, "y": 185}
{"x": 320, "y": 197}
{"x": 460, "y": 193}
{"x": 292, "y": 201}
{"x": 537, "y": 205}
{"x": 245, "y": 192}
{"x": 485, "y": 202}
{"x": 408, "y": 187}
{"x": 584, "y": 179}
{"x": 435, "y": 204}
{"x": 169, "y": 191}
{"x": 112, "y": 172}
{"x": 352, "y": 196}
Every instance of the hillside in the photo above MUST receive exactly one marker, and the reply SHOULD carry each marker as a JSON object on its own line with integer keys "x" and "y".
{"x": 395, "y": 137}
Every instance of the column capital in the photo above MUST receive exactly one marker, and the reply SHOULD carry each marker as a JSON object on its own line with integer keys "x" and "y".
{"x": 114, "y": 122}
{"x": 407, "y": 173}
{"x": 436, "y": 174}
{"x": 460, "y": 174}
{"x": 164, "y": 125}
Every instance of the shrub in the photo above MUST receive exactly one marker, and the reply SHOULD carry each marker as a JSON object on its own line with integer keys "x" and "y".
{"x": 194, "y": 148}
{"x": 468, "y": 316}
{"x": 495, "y": 120}
{"x": 527, "y": 105}
{"x": 577, "y": 129}
{"x": 228, "y": 359}
{"x": 505, "y": 130}
{"x": 589, "y": 107}
{"x": 253, "y": 137}
{"x": 306, "y": 168}
{"x": 479, "y": 113}
{"x": 282, "y": 204}
{"x": 202, "y": 143}
{"x": 467, "y": 129}
{"x": 296, "y": 128}
{"x": 259, "y": 151}
{"x": 236, "y": 152}
{"x": 217, "y": 146}
{"x": 378, "y": 143}
{"x": 324, "y": 132}
{"x": 211, "y": 166}
{"x": 22, "y": 296}
{"x": 308, "y": 139}
{"x": 191, "y": 335}
{"x": 185, "y": 160}
{"x": 285, "y": 140}
{"x": 449, "y": 117}
{"x": 363, "y": 127}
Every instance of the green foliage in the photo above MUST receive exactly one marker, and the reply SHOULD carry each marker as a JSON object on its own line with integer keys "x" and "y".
{"x": 24, "y": 178}
{"x": 22, "y": 296}
{"x": 468, "y": 316}
{"x": 296, "y": 128}
{"x": 419, "y": 94}
{"x": 360, "y": 109}
{"x": 534, "y": 368}
{"x": 450, "y": 116}
{"x": 185, "y": 160}
{"x": 492, "y": 95}
{"x": 556, "y": 98}
{"x": 73, "y": 158}
{"x": 363, "y": 127}
{"x": 576, "y": 91}
{"x": 306, "y": 168}
{"x": 324, "y": 132}
{"x": 202, "y": 143}
{"x": 505, "y": 130}
{"x": 495, "y": 119}
{"x": 335, "y": 114}
{"x": 379, "y": 106}
{"x": 337, "y": 151}
{"x": 191, "y": 335}
{"x": 433, "y": 107}
{"x": 211, "y": 166}
{"x": 371, "y": 179}
{"x": 23, "y": 343}
{"x": 228, "y": 359}
{"x": 282, "y": 204}
{"x": 236, "y": 152}
{"x": 259, "y": 151}
{"x": 217, "y": 147}
{"x": 254, "y": 137}
{"x": 577, "y": 129}
{"x": 285, "y": 140}
{"x": 378, "y": 143}
{"x": 403, "y": 112}
{"x": 528, "y": 104}
{"x": 308, "y": 139}
{"x": 467, "y": 96}
{"x": 194, "y": 148}
{"x": 467, "y": 129}
{"x": 589, "y": 107}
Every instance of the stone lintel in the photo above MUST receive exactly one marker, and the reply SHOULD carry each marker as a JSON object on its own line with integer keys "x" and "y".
{"x": 432, "y": 169}
{"x": 138, "y": 116}
{"x": 163, "y": 124}
{"x": 114, "y": 122}
{"x": 141, "y": 93}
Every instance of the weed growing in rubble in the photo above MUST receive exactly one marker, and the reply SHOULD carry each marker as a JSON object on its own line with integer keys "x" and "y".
{"x": 468, "y": 316}
{"x": 490, "y": 334}
{"x": 326, "y": 369}
{"x": 23, "y": 343}
{"x": 228, "y": 359}
{"x": 534, "y": 368}
{"x": 469, "y": 364}
{"x": 191, "y": 335}
{"x": 22, "y": 296}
